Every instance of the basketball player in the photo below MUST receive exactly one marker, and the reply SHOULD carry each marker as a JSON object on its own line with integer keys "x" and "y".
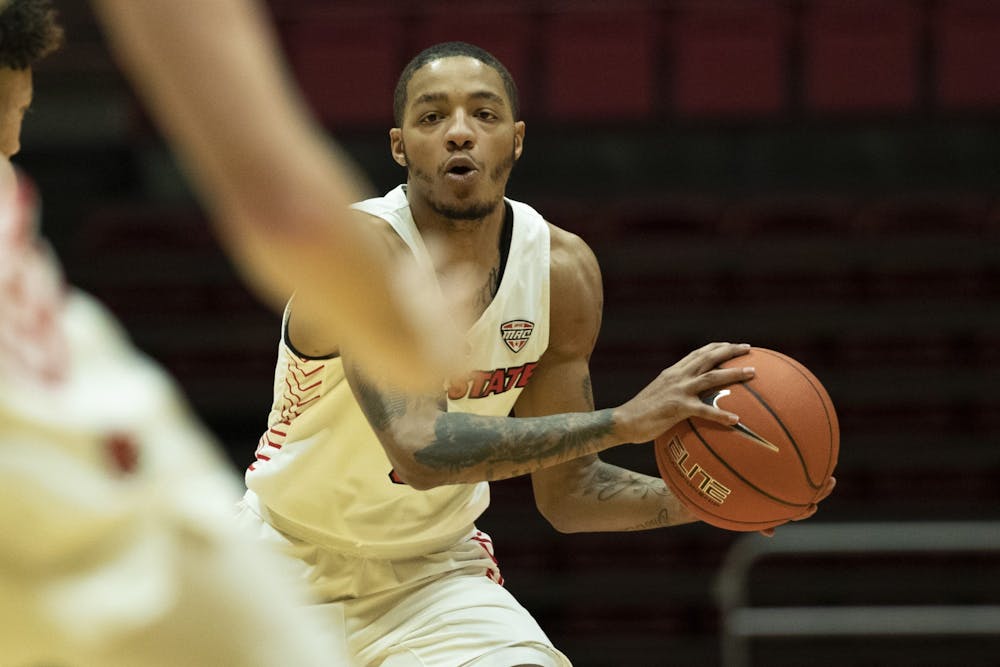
{"x": 117, "y": 545}
{"x": 117, "y": 542}
{"x": 376, "y": 490}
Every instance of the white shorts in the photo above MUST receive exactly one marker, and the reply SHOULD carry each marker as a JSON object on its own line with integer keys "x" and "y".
{"x": 446, "y": 609}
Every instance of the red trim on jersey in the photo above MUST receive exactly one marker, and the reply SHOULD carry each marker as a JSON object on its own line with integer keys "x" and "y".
{"x": 483, "y": 542}
{"x": 299, "y": 403}
{"x": 305, "y": 374}
{"x": 293, "y": 401}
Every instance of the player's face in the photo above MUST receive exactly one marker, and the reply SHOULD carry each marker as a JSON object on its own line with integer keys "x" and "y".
{"x": 15, "y": 98}
{"x": 459, "y": 140}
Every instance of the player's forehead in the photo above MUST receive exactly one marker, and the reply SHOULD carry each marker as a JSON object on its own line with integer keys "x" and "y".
{"x": 455, "y": 78}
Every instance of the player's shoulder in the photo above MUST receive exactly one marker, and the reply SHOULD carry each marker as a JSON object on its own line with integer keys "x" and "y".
{"x": 571, "y": 257}
{"x": 577, "y": 294}
{"x": 379, "y": 222}
{"x": 391, "y": 203}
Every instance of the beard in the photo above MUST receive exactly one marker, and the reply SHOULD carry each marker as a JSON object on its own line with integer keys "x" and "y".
{"x": 465, "y": 210}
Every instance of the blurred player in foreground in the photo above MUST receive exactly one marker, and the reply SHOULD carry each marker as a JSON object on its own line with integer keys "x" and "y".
{"x": 118, "y": 547}
{"x": 276, "y": 188}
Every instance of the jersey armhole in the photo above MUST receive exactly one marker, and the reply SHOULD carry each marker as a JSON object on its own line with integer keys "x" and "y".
{"x": 286, "y": 339}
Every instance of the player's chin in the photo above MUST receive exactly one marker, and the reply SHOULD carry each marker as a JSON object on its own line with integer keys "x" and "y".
{"x": 466, "y": 207}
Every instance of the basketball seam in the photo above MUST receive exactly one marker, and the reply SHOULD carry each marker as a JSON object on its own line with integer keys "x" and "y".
{"x": 694, "y": 429}
{"x": 795, "y": 445}
{"x": 691, "y": 503}
{"x": 825, "y": 401}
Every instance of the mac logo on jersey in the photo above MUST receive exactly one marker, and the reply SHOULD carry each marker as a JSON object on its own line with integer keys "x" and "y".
{"x": 515, "y": 333}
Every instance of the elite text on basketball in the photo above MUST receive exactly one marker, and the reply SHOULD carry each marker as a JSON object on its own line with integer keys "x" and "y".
{"x": 709, "y": 486}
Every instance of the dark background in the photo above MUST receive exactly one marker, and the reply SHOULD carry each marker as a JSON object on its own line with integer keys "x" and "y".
{"x": 817, "y": 177}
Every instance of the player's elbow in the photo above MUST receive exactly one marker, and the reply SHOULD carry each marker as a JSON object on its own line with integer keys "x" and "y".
{"x": 560, "y": 517}
{"x": 417, "y": 476}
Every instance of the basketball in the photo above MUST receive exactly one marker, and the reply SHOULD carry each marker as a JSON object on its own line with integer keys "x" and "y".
{"x": 771, "y": 466}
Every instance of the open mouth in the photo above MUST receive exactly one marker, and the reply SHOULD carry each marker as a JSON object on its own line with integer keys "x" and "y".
{"x": 460, "y": 166}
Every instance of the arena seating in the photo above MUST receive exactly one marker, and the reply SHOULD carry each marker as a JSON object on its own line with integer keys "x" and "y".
{"x": 599, "y": 63}
{"x": 966, "y": 53}
{"x": 728, "y": 58}
{"x": 861, "y": 57}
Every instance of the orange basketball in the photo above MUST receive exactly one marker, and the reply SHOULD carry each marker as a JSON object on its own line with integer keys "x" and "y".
{"x": 768, "y": 468}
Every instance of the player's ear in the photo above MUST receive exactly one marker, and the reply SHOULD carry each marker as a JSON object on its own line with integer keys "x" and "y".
{"x": 518, "y": 139}
{"x": 396, "y": 146}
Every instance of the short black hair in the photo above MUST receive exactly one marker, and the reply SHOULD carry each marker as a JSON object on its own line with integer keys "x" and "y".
{"x": 28, "y": 32}
{"x": 449, "y": 50}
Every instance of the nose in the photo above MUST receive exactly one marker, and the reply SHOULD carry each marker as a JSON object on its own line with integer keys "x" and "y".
{"x": 460, "y": 135}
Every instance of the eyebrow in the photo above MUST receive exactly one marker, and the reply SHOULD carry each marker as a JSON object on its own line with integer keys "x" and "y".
{"x": 429, "y": 98}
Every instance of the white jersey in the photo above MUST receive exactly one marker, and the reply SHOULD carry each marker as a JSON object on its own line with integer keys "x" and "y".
{"x": 117, "y": 539}
{"x": 321, "y": 474}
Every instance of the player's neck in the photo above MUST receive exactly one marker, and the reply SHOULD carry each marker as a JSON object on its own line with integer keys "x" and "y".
{"x": 465, "y": 240}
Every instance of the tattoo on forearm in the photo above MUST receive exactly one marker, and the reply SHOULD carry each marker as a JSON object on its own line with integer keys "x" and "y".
{"x": 662, "y": 519}
{"x": 609, "y": 481}
{"x": 462, "y": 441}
{"x": 508, "y": 447}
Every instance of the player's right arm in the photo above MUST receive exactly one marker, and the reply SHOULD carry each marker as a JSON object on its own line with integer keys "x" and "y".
{"x": 278, "y": 192}
{"x": 430, "y": 447}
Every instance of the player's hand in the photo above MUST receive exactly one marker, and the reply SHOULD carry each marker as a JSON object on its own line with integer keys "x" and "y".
{"x": 827, "y": 490}
{"x": 675, "y": 394}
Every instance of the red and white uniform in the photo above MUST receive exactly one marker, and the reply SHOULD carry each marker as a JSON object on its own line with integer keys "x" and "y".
{"x": 117, "y": 541}
{"x": 321, "y": 473}
{"x": 322, "y": 479}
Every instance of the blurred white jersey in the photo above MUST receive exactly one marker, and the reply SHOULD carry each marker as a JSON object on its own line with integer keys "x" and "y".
{"x": 118, "y": 545}
{"x": 321, "y": 474}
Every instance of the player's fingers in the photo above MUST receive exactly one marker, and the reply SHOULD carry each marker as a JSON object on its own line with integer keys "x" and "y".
{"x": 714, "y": 354}
{"x": 709, "y": 412}
{"x": 709, "y": 356}
{"x": 827, "y": 488}
{"x": 767, "y": 532}
{"x": 721, "y": 377}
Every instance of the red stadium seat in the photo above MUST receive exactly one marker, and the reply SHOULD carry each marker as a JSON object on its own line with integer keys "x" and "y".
{"x": 966, "y": 37}
{"x": 729, "y": 57}
{"x": 861, "y": 56}
{"x": 346, "y": 57}
{"x": 600, "y": 62}
{"x": 505, "y": 30}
